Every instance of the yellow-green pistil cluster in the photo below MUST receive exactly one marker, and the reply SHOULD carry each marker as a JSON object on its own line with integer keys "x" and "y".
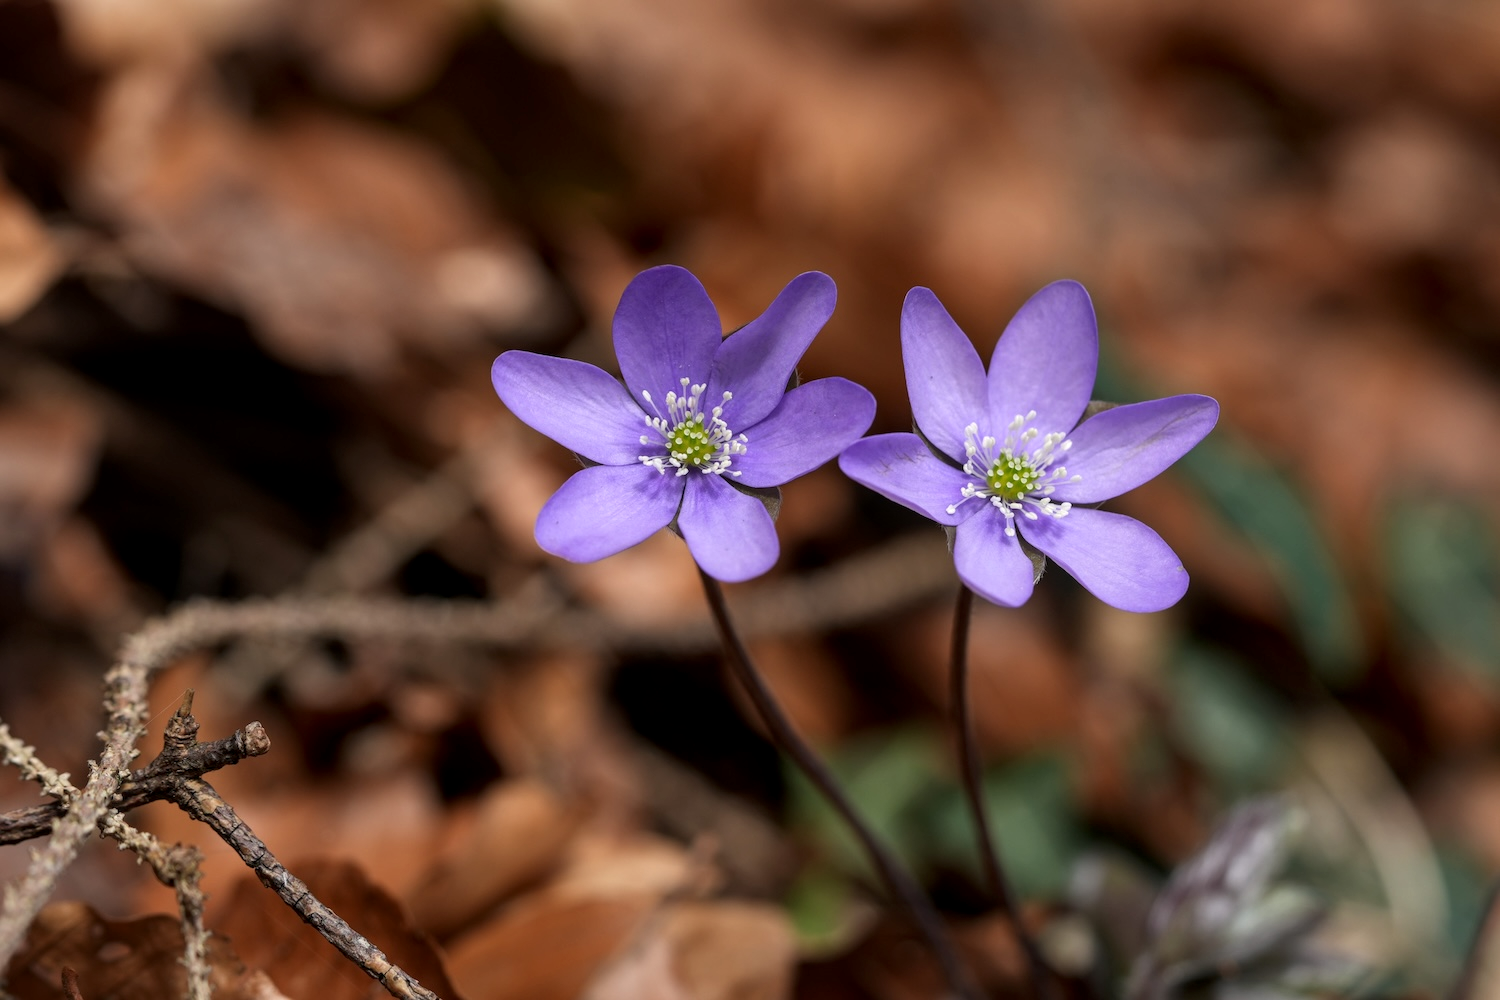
{"x": 689, "y": 442}
{"x": 1011, "y": 477}
{"x": 1017, "y": 475}
{"x": 693, "y": 439}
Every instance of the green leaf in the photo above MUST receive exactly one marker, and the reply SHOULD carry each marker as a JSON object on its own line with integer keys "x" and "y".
{"x": 1443, "y": 576}
{"x": 1228, "y": 722}
{"x": 1262, "y": 505}
{"x": 1258, "y": 502}
{"x": 824, "y": 910}
{"x": 888, "y": 776}
{"x": 1031, "y": 812}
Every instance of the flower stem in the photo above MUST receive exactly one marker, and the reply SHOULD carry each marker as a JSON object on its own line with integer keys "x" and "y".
{"x": 968, "y": 755}
{"x": 898, "y": 881}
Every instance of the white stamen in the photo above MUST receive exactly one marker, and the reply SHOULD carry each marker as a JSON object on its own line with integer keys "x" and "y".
{"x": 692, "y": 439}
{"x": 1020, "y": 469}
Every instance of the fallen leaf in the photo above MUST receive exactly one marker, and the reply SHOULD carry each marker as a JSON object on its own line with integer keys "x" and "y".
{"x": 137, "y": 959}
{"x": 521, "y": 831}
{"x": 30, "y": 259}
{"x": 345, "y": 243}
{"x": 48, "y": 452}
{"x": 705, "y": 951}
{"x": 271, "y": 938}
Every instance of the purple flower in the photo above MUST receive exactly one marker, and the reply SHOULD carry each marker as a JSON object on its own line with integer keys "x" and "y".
{"x": 699, "y": 416}
{"x": 1007, "y": 452}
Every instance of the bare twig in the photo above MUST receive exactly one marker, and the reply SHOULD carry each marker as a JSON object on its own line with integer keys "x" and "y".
{"x": 22, "y": 755}
{"x": 124, "y": 702}
{"x": 146, "y": 785}
{"x": 198, "y": 799}
{"x": 856, "y": 589}
{"x": 176, "y": 775}
{"x": 176, "y": 866}
{"x": 400, "y": 528}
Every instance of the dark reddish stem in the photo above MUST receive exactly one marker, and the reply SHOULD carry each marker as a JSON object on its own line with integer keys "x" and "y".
{"x": 968, "y": 755}
{"x": 898, "y": 881}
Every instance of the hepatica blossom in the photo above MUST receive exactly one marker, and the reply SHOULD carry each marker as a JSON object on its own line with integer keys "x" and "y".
{"x": 699, "y": 416}
{"x": 1009, "y": 459}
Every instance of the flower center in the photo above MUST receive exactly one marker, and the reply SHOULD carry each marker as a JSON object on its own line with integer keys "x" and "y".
{"x": 1011, "y": 477}
{"x": 1016, "y": 475}
{"x": 692, "y": 439}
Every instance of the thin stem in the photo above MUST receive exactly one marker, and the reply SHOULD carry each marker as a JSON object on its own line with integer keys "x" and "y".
{"x": 968, "y": 755}
{"x": 1468, "y": 978}
{"x": 898, "y": 881}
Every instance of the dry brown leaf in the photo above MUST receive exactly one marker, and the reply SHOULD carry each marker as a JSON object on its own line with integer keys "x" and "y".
{"x": 548, "y": 718}
{"x": 388, "y": 824}
{"x": 1443, "y": 179}
{"x": 705, "y": 951}
{"x": 605, "y": 864}
{"x": 809, "y": 684}
{"x": 549, "y": 944}
{"x": 1022, "y": 688}
{"x": 378, "y": 50}
{"x": 545, "y": 948}
{"x": 30, "y": 259}
{"x": 650, "y": 585}
{"x": 1459, "y": 704}
{"x": 272, "y": 939}
{"x": 521, "y": 831}
{"x": 77, "y": 577}
{"x": 343, "y": 242}
{"x": 125, "y": 960}
{"x": 48, "y": 451}
{"x": 520, "y": 469}
{"x": 110, "y": 32}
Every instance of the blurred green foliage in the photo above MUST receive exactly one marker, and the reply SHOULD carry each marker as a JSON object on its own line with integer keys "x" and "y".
{"x": 904, "y": 782}
{"x": 1442, "y": 575}
{"x": 1260, "y": 504}
{"x": 1226, "y": 721}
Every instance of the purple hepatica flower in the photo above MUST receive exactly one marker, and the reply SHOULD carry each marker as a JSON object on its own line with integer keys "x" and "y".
{"x": 1007, "y": 452}
{"x": 699, "y": 416}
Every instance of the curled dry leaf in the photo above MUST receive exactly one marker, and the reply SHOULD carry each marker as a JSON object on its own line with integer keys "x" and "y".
{"x": 705, "y": 951}
{"x": 546, "y": 948}
{"x": 377, "y": 50}
{"x": 342, "y": 242}
{"x": 30, "y": 260}
{"x": 48, "y": 450}
{"x": 126, "y": 960}
{"x": 520, "y": 832}
{"x": 273, "y": 940}
{"x": 1023, "y": 689}
{"x": 550, "y": 944}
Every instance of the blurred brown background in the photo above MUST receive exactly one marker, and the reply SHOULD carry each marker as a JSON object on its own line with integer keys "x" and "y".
{"x": 256, "y": 257}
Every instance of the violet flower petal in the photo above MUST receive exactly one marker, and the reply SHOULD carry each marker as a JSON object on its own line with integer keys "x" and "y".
{"x": 944, "y": 375}
{"x": 1121, "y": 448}
{"x": 583, "y": 408}
{"x": 902, "y": 468}
{"x": 990, "y": 562}
{"x": 756, "y": 362}
{"x": 1117, "y": 558}
{"x": 665, "y": 330}
{"x": 606, "y": 509}
{"x": 1046, "y": 360}
{"x": 728, "y": 532}
{"x": 813, "y": 423}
